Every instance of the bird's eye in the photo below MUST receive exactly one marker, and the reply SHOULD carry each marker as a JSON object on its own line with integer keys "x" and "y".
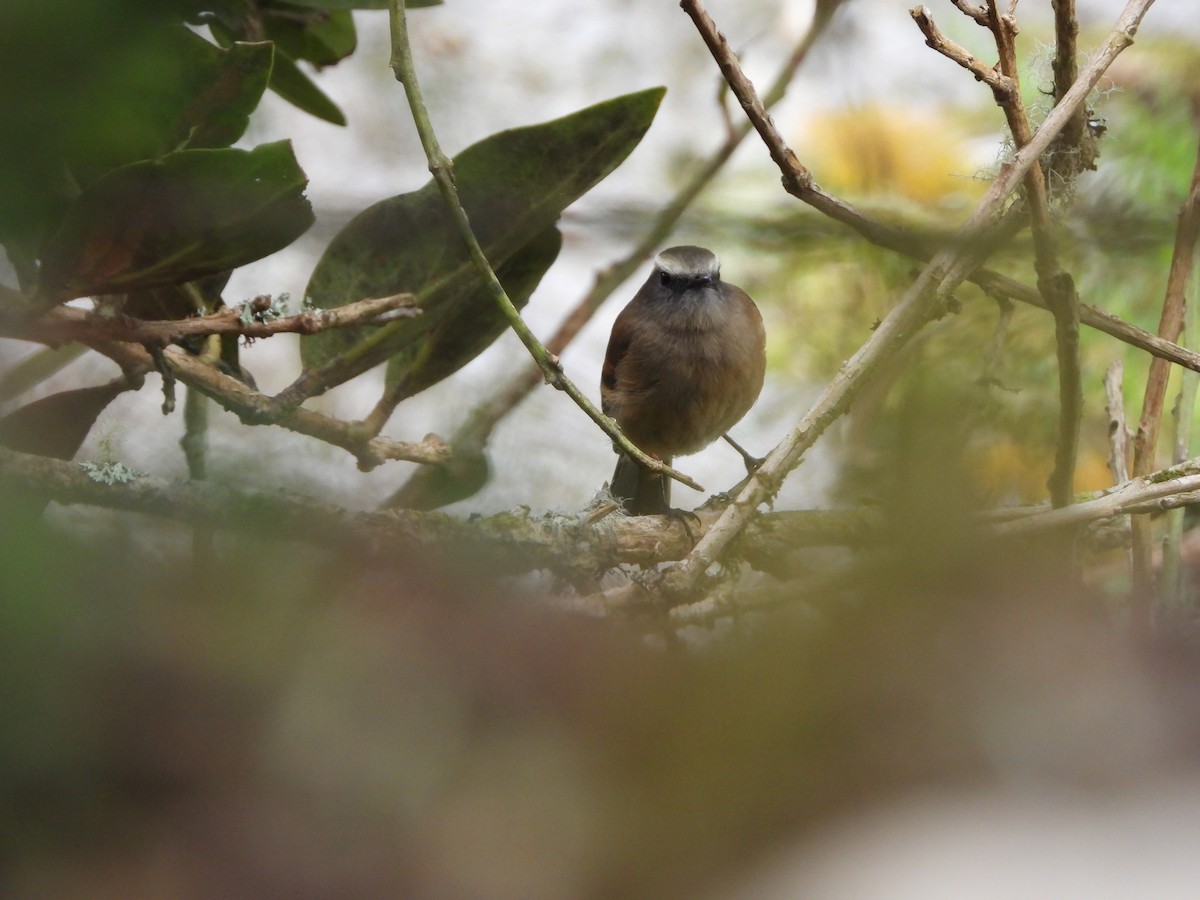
{"x": 664, "y": 279}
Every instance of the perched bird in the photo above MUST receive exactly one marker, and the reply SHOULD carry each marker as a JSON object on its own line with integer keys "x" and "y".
{"x": 685, "y": 362}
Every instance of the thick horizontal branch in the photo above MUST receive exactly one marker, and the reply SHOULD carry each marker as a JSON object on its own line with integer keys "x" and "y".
{"x": 512, "y": 543}
{"x": 505, "y": 543}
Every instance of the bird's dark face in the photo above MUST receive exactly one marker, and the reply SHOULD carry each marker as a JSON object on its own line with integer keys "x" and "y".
{"x": 680, "y": 270}
{"x": 680, "y": 283}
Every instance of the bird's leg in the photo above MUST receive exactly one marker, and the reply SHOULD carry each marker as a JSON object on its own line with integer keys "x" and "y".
{"x": 752, "y": 462}
{"x": 666, "y": 509}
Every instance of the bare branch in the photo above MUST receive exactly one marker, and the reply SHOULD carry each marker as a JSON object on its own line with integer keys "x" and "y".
{"x": 941, "y": 276}
{"x": 1145, "y": 442}
{"x": 70, "y": 324}
{"x": 1118, "y": 431}
{"x": 1002, "y": 85}
{"x": 1066, "y": 68}
{"x": 1141, "y": 494}
{"x": 978, "y": 13}
{"x": 506, "y": 543}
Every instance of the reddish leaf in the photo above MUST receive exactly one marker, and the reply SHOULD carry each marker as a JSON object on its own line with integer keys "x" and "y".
{"x": 57, "y": 425}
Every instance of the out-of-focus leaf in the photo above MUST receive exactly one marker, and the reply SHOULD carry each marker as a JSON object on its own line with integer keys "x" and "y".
{"x": 57, "y": 425}
{"x": 299, "y": 90}
{"x": 179, "y": 91}
{"x": 473, "y": 321}
{"x": 432, "y": 487}
{"x": 220, "y": 111}
{"x": 513, "y": 185}
{"x": 37, "y": 367}
{"x": 361, "y": 4}
{"x": 323, "y": 39}
{"x": 187, "y": 215}
{"x": 177, "y": 301}
{"x": 92, "y": 86}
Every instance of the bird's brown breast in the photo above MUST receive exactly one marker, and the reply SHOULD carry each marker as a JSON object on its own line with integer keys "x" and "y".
{"x": 682, "y": 377}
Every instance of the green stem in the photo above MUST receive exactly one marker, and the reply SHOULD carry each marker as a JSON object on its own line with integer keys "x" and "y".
{"x": 442, "y": 169}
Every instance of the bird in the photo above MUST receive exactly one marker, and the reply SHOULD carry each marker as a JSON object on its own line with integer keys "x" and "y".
{"x": 685, "y": 361}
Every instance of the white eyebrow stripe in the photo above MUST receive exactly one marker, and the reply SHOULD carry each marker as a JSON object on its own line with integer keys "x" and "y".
{"x": 694, "y": 262}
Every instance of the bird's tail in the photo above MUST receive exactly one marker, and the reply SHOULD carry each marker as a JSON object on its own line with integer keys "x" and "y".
{"x": 641, "y": 492}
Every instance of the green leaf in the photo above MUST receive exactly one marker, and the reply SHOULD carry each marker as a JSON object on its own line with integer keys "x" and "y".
{"x": 432, "y": 487}
{"x": 179, "y": 91}
{"x": 56, "y": 426}
{"x": 37, "y": 367}
{"x": 291, "y": 41}
{"x": 469, "y": 325}
{"x": 161, "y": 222}
{"x": 120, "y": 84}
{"x": 321, "y": 38}
{"x": 513, "y": 185}
{"x": 219, "y": 113}
{"x": 361, "y": 4}
{"x": 299, "y": 90}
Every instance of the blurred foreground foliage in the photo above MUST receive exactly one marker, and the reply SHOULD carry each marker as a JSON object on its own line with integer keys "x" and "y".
{"x": 307, "y": 725}
{"x": 304, "y": 723}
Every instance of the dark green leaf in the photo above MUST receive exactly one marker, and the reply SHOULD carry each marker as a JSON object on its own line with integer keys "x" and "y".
{"x": 177, "y": 301}
{"x": 106, "y": 85}
{"x": 299, "y": 90}
{"x": 220, "y": 111}
{"x": 185, "y": 216}
{"x": 513, "y": 185}
{"x": 431, "y": 487}
{"x": 472, "y": 321}
{"x": 37, "y": 367}
{"x": 180, "y": 90}
{"x": 57, "y": 425}
{"x": 321, "y": 38}
{"x": 361, "y": 4}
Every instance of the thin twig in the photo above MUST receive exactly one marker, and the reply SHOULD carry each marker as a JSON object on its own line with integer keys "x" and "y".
{"x": 441, "y": 167}
{"x": 195, "y": 451}
{"x": 1054, "y": 284}
{"x": 938, "y": 280}
{"x": 1066, "y": 68}
{"x": 1118, "y": 431}
{"x": 978, "y": 13}
{"x": 1002, "y": 85}
{"x": 1141, "y": 494}
{"x": 254, "y": 408}
{"x": 1145, "y": 442}
{"x": 249, "y": 320}
{"x": 1174, "y": 580}
{"x": 474, "y": 433}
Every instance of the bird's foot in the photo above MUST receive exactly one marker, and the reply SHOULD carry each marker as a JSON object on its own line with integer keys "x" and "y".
{"x": 753, "y": 463}
{"x": 682, "y": 516}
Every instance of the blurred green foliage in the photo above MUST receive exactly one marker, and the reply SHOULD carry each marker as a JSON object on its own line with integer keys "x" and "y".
{"x": 825, "y": 288}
